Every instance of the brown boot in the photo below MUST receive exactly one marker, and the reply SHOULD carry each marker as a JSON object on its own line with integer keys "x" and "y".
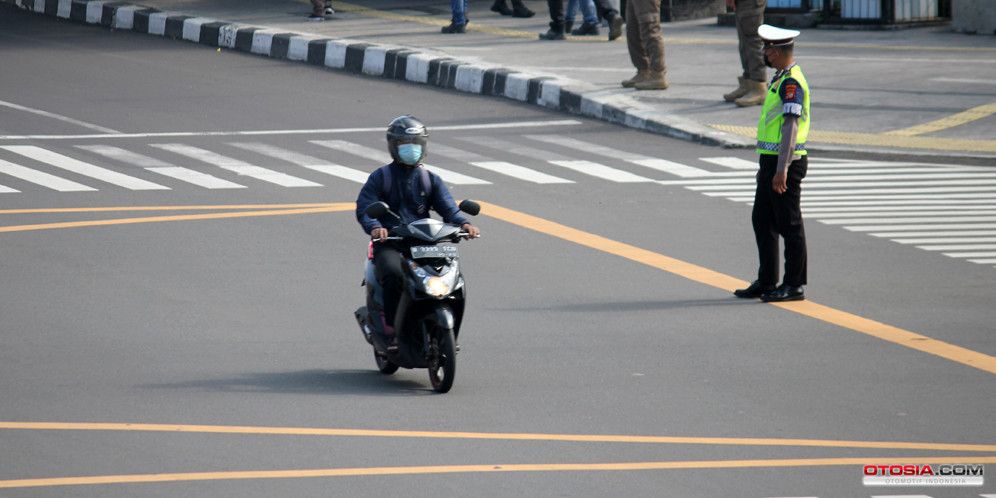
{"x": 739, "y": 92}
{"x": 756, "y": 93}
{"x": 638, "y": 77}
{"x": 653, "y": 81}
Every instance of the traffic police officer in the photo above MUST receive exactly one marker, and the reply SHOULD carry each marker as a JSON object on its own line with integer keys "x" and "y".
{"x": 781, "y": 142}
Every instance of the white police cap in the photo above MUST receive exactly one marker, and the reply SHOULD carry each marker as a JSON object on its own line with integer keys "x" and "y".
{"x": 776, "y": 37}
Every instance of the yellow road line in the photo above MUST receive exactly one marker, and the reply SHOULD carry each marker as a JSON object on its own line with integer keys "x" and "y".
{"x": 880, "y": 140}
{"x": 187, "y": 217}
{"x": 196, "y": 207}
{"x": 727, "y": 283}
{"x": 489, "y": 468}
{"x": 959, "y": 119}
{"x": 499, "y": 436}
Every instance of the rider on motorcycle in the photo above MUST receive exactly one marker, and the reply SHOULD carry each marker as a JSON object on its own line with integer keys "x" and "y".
{"x": 411, "y": 191}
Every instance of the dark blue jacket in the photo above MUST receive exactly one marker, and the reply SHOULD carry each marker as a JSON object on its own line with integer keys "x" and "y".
{"x": 406, "y": 198}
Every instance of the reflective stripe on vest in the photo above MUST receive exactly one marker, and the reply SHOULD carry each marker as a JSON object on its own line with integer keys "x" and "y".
{"x": 769, "y": 125}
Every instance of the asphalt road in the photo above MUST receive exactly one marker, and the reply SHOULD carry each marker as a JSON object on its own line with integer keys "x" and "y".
{"x": 246, "y": 322}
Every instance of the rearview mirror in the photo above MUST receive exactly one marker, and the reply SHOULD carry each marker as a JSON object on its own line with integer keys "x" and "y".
{"x": 470, "y": 207}
{"x": 376, "y": 210}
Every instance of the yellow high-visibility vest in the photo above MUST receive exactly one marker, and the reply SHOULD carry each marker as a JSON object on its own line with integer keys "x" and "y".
{"x": 769, "y": 125}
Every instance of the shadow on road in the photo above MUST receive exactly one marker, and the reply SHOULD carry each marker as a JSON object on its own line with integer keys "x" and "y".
{"x": 354, "y": 382}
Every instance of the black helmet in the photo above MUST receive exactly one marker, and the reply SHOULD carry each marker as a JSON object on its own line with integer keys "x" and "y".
{"x": 406, "y": 130}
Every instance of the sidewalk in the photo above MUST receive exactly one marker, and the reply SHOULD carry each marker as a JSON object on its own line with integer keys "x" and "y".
{"x": 917, "y": 92}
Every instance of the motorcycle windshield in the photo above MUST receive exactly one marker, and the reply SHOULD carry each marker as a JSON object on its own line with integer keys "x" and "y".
{"x": 429, "y": 230}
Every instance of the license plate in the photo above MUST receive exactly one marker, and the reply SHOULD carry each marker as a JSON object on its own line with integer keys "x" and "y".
{"x": 419, "y": 252}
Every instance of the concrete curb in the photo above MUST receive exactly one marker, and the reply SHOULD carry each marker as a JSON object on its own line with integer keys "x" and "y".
{"x": 392, "y": 62}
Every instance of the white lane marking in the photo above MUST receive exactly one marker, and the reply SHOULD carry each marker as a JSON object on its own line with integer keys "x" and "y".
{"x": 940, "y": 195}
{"x": 82, "y": 168}
{"x": 900, "y": 496}
{"x": 312, "y": 131}
{"x": 601, "y": 171}
{"x": 970, "y": 81}
{"x": 664, "y": 165}
{"x": 955, "y": 233}
{"x": 897, "y": 228}
{"x": 7, "y": 190}
{"x": 970, "y": 254}
{"x": 239, "y": 167}
{"x": 947, "y": 240}
{"x": 501, "y": 167}
{"x": 59, "y": 117}
{"x": 919, "y": 219}
{"x": 514, "y": 148}
{"x": 40, "y": 178}
{"x": 959, "y": 247}
{"x": 305, "y": 161}
{"x": 732, "y": 163}
{"x": 984, "y": 262}
{"x": 384, "y": 158}
{"x": 161, "y": 167}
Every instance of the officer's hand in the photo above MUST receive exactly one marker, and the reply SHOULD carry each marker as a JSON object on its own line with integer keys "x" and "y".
{"x": 779, "y": 182}
{"x": 378, "y": 233}
{"x": 473, "y": 231}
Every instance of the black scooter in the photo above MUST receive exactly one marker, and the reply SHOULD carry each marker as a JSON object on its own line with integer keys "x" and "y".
{"x": 429, "y": 314}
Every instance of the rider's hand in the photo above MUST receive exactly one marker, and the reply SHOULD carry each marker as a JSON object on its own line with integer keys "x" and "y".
{"x": 378, "y": 233}
{"x": 471, "y": 230}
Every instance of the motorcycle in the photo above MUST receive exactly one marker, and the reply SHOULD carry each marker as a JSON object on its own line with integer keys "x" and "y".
{"x": 430, "y": 311}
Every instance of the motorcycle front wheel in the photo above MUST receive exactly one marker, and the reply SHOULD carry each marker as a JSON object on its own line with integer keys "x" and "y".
{"x": 442, "y": 361}
{"x": 384, "y": 365}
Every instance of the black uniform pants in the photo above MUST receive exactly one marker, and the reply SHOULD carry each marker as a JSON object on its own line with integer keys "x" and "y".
{"x": 388, "y": 262}
{"x": 780, "y": 214}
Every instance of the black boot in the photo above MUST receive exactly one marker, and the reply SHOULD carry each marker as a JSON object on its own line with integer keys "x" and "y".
{"x": 556, "y": 32}
{"x": 501, "y": 7}
{"x": 519, "y": 9}
{"x": 586, "y": 29}
{"x": 454, "y": 28}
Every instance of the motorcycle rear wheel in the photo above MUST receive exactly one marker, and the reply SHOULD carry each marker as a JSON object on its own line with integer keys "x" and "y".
{"x": 384, "y": 365}
{"x": 442, "y": 361}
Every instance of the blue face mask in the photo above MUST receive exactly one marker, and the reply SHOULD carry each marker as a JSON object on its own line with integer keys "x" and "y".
{"x": 410, "y": 153}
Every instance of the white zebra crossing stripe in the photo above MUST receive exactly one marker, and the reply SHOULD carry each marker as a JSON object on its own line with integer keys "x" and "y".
{"x": 7, "y": 190}
{"x": 897, "y": 228}
{"x": 852, "y": 192}
{"x": 237, "y": 166}
{"x": 664, "y": 165}
{"x": 40, "y": 178}
{"x": 858, "y": 180}
{"x": 947, "y": 233}
{"x": 970, "y": 254}
{"x": 924, "y": 219}
{"x": 959, "y": 247}
{"x": 601, "y": 171}
{"x": 984, "y": 262}
{"x": 947, "y": 240}
{"x": 817, "y": 187}
{"x": 891, "y": 204}
{"x": 82, "y": 168}
{"x": 161, "y": 167}
{"x": 384, "y": 158}
{"x": 501, "y": 167}
{"x": 305, "y": 161}
{"x": 520, "y": 172}
{"x": 814, "y": 213}
{"x": 732, "y": 163}
{"x": 892, "y": 210}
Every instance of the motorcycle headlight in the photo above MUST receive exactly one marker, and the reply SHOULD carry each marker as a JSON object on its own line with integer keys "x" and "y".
{"x": 436, "y": 287}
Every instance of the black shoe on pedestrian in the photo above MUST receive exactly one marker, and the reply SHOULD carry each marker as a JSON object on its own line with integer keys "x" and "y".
{"x": 556, "y": 32}
{"x": 328, "y": 9}
{"x": 784, "y": 293}
{"x": 586, "y": 29}
{"x": 316, "y": 17}
{"x": 754, "y": 290}
{"x": 392, "y": 344}
{"x": 615, "y": 27}
{"x": 454, "y": 28}
{"x": 519, "y": 9}
{"x": 501, "y": 7}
